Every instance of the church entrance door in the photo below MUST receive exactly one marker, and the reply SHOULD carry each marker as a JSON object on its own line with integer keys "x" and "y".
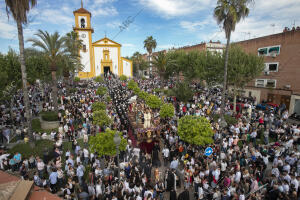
{"x": 106, "y": 69}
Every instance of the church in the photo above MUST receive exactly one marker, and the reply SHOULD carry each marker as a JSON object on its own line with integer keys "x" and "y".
{"x": 101, "y": 56}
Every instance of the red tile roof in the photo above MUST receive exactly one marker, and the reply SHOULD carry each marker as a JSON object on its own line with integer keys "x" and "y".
{"x": 81, "y": 10}
{"x": 39, "y": 194}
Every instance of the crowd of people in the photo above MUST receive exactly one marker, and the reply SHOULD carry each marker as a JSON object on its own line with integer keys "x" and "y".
{"x": 256, "y": 157}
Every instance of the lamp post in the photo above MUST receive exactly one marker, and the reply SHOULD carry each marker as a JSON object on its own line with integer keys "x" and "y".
{"x": 117, "y": 141}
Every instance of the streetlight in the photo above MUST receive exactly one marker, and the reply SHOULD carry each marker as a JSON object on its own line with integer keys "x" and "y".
{"x": 117, "y": 141}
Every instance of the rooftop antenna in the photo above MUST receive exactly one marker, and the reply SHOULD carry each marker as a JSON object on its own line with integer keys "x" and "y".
{"x": 105, "y": 34}
{"x": 81, "y": 4}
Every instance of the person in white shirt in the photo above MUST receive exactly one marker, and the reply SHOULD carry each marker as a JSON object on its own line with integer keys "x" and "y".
{"x": 86, "y": 156}
{"x": 237, "y": 177}
{"x": 166, "y": 153}
{"x": 40, "y": 167}
{"x": 294, "y": 183}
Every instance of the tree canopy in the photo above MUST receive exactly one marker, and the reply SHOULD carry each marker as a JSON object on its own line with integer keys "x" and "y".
{"x": 103, "y": 143}
{"x": 150, "y": 44}
{"x": 96, "y": 106}
{"x": 101, "y": 119}
{"x": 167, "y": 110}
{"x": 195, "y": 130}
{"x": 101, "y": 91}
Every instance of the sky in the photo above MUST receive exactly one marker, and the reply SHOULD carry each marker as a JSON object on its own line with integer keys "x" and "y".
{"x": 173, "y": 23}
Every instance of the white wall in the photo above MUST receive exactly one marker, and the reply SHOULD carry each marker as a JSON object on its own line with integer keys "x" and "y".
{"x": 293, "y": 106}
{"x": 126, "y": 68}
{"x": 85, "y": 56}
{"x": 113, "y": 55}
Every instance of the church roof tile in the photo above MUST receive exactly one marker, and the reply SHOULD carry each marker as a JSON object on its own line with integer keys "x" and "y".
{"x": 81, "y": 10}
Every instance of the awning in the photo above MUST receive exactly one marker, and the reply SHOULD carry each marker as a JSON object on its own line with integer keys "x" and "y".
{"x": 274, "y": 49}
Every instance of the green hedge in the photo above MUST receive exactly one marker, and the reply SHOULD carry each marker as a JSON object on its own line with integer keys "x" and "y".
{"x": 167, "y": 110}
{"x": 143, "y": 95}
{"x": 72, "y": 90}
{"x": 96, "y": 106}
{"x": 123, "y": 78}
{"x": 228, "y": 118}
{"x": 153, "y": 101}
{"x": 76, "y": 79}
{"x": 26, "y": 150}
{"x": 195, "y": 130}
{"x": 108, "y": 99}
{"x": 101, "y": 91}
{"x": 49, "y": 116}
{"x": 36, "y": 125}
{"x": 99, "y": 79}
{"x": 132, "y": 84}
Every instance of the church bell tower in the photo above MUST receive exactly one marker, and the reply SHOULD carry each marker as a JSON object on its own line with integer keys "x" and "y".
{"x": 84, "y": 32}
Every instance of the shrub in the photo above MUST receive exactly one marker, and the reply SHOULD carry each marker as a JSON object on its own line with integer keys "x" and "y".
{"x": 96, "y": 106}
{"x": 99, "y": 79}
{"x": 36, "y": 125}
{"x": 103, "y": 143}
{"x": 123, "y": 78}
{"x": 143, "y": 95}
{"x": 101, "y": 91}
{"x": 136, "y": 90}
{"x": 26, "y": 150}
{"x": 228, "y": 118}
{"x": 153, "y": 101}
{"x": 100, "y": 118}
{"x": 132, "y": 84}
{"x": 72, "y": 90}
{"x": 167, "y": 110}
{"x": 195, "y": 130}
{"x": 76, "y": 79}
{"x": 157, "y": 90}
{"x": 183, "y": 92}
{"x": 108, "y": 99}
{"x": 49, "y": 116}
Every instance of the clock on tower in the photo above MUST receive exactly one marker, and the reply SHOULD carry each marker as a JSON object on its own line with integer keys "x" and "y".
{"x": 84, "y": 31}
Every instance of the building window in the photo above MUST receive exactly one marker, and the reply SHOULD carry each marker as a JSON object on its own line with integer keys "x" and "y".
{"x": 260, "y": 83}
{"x": 262, "y": 51}
{"x": 84, "y": 48}
{"x": 82, "y": 21}
{"x": 271, "y": 67}
{"x": 269, "y": 83}
{"x": 269, "y": 51}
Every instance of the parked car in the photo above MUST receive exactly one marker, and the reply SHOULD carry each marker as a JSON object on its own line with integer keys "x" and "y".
{"x": 267, "y": 106}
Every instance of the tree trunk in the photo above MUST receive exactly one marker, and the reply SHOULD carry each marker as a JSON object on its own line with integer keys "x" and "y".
{"x": 225, "y": 77}
{"x": 54, "y": 91}
{"x": 234, "y": 100}
{"x": 24, "y": 79}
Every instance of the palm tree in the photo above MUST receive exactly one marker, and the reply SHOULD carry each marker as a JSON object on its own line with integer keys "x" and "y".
{"x": 19, "y": 9}
{"x": 72, "y": 61}
{"x": 149, "y": 45}
{"x": 162, "y": 62}
{"x": 137, "y": 57}
{"x": 229, "y": 13}
{"x": 52, "y": 46}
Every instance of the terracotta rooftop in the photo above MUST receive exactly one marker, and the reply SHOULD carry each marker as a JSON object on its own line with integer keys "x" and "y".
{"x": 14, "y": 188}
{"x": 81, "y": 10}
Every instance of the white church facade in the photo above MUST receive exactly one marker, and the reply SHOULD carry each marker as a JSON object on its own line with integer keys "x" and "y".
{"x": 101, "y": 56}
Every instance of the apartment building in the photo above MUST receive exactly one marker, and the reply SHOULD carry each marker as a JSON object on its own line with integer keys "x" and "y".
{"x": 280, "y": 81}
